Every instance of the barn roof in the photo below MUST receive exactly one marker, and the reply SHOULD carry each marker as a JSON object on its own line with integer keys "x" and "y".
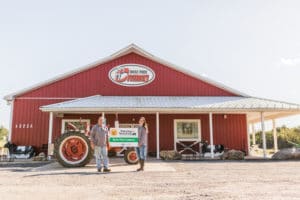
{"x": 132, "y": 48}
{"x": 176, "y": 104}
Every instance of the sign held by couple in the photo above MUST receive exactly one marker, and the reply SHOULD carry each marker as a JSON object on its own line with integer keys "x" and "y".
{"x": 123, "y": 137}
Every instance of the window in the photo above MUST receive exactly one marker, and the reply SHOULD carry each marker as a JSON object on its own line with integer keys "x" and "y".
{"x": 81, "y": 125}
{"x": 187, "y": 129}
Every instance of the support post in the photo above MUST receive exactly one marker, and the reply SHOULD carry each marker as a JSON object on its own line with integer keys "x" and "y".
{"x": 263, "y": 134}
{"x": 211, "y": 134}
{"x": 11, "y": 120}
{"x": 157, "y": 135}
{"x": 275, "y": 135}
{"x": 103, "y": 120}
{"x": 248, "y": 138}
{"x": 50, "y": 135}
{"x": 253, "y": 135}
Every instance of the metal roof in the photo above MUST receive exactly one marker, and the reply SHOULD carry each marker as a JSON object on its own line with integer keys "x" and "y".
{"x": 100, "y": 103}
{"x": 132, "y": 48}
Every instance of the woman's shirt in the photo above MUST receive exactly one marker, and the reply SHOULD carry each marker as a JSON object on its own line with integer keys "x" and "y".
{"x": 142, "y": 134}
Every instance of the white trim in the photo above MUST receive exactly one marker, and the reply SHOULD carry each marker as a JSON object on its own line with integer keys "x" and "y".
{"x": 63, "y": 121}
{"x": 11, "y": 120}
{"x": 253, "y": 134}
{"x": 211, "y": 135}
{"x": 50, "y": 132}
{"x": 275, "y": 135}
{"x": 248, "y": 134}
{"x": 129, "y": 49}
{"x": 50, "y": 128}
{"x": 189, "y": 139}
{"x": 263, "y": 134}
{"x": 157, "y": 135}
{"x": 182, "y": 110}
{"x": 103, "y": 120}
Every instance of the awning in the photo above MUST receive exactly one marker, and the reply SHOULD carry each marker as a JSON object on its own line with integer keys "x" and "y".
{"x": 175, "y": 104}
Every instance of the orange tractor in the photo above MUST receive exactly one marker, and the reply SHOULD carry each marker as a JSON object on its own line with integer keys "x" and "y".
{"x": 74, "y": 149}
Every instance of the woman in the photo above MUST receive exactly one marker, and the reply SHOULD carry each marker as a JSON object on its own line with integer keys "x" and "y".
{"x": 141, "y": 150}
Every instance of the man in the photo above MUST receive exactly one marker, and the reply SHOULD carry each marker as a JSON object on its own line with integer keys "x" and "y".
{"x": 99, "y": 137}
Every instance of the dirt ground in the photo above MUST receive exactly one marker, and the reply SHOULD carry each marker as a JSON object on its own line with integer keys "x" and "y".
{"x": 160, "y": 180}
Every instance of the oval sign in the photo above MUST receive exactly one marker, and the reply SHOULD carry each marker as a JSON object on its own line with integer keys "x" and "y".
{"x": 131, "y": 75}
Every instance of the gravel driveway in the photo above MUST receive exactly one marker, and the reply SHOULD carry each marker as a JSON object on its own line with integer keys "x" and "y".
{"x": 160, "y": 180}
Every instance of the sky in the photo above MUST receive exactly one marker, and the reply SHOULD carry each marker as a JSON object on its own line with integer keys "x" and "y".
{"x": 250, "y": 45}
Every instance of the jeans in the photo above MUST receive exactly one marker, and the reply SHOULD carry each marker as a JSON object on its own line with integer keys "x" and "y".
{"x": 142, "y": 152}
{"x": 101, "y": 156}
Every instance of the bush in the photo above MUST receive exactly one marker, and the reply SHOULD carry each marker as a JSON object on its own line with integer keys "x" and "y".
{"x": 284, "y": 135}
{"x": 3, "y": 132}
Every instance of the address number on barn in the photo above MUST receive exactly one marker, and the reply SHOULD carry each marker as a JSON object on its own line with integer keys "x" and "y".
{"x": 123, "y": 137}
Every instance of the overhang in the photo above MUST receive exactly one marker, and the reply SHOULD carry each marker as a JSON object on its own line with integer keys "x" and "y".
{"x": 175, "y": 104}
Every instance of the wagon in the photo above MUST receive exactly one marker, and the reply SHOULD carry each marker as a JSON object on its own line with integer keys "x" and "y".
{"x": 74, "y": 149}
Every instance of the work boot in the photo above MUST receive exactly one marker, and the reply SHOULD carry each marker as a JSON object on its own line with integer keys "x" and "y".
{"x": 106, "y": 170}
{"x": 99, "y": 169}
{"x": 141, "y": 166}
{"x": 139, "y": 169}
{"x": 143, "y": 163}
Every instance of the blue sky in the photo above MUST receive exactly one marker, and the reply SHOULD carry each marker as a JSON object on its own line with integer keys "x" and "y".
{"x": 252, "y": 46}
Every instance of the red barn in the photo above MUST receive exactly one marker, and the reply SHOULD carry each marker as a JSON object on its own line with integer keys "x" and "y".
{"x": 179, "y": 105}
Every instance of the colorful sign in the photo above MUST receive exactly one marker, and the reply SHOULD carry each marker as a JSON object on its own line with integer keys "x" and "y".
{"x": 123, "y": 137}
{"x": 131, "y": 75}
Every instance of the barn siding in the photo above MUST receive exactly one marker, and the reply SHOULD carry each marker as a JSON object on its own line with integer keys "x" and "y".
{"x": 168, "y": 82}
{"x": 231, "y": 132}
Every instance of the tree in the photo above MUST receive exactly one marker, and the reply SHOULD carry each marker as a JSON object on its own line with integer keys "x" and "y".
{"x": 284, "y": 136}
{"x": 3, "y": 132}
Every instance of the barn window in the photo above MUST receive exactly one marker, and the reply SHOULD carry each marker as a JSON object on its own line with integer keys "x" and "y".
{"x": 187, "y": 129}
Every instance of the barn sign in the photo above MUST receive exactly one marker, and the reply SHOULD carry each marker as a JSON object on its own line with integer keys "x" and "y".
{"x": 123, "y": 137}
{"x": 131, "y": 75}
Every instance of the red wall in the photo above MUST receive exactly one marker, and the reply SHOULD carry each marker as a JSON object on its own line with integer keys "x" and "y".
{"x": 94, "y": 81}
{"x": 231, "y": 132}
{"x": 168, "y": 82}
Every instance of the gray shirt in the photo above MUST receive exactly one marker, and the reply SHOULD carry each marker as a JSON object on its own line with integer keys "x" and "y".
{"x": 99, "y": 136}
{"x": 142, "y": 134}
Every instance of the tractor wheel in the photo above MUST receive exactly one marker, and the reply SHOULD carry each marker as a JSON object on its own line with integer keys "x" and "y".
{"x": 73, "y": 149}
{"x": 130, "y": 156}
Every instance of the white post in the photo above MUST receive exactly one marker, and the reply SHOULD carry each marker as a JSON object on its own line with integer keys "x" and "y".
{"x": 248, "y": 138}
{"x": 50, "y": 134}
{"x": 275, "y": 135}
{"x": 103, "y": 120}
{"x": 253, "y": 135}
{"x": 263, "y": 134}
{"x": 211, "y": 134}
{"x": 11, "y": 120}
{"x": 157, "y": 135}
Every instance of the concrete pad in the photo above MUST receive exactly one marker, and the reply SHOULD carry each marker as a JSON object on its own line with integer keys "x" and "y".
{"x": 116, "y": 165}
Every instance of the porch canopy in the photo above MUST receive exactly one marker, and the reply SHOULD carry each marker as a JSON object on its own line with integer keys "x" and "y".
{"x": 177, "y": 104}
{"x": 257, "y": 109}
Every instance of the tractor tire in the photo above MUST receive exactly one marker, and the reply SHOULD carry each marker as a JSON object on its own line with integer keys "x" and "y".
{"x": 130, "y": 156}
{"x": 73, "y": 149}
